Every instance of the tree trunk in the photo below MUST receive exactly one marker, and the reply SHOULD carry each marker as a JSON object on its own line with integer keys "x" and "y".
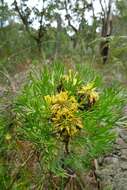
{"x": 39, "y": 45}
{"x": 106, "y": 32}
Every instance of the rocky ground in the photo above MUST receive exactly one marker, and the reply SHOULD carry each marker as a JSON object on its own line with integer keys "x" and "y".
{"x": 112, "y": 169}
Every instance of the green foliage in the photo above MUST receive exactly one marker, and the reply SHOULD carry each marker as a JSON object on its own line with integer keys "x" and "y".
{"x": 5, "y": 13}
{"x": 34, "y": 125}
{"x": 4, "y": 146}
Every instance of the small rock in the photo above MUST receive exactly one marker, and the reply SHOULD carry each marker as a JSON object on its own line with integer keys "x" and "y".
{"x": 123, "y": 135}
{"x": 121, "y": 143}
{"x": 123, "y": 166}
{"x": 124, "y": 154}
{"x": 112, "y": 161}
{"x": 100, "y": 160}
{"x": 116, "y": 153}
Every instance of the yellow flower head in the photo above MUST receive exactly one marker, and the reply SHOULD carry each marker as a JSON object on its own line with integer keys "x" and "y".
{"x": 93, "y": 97}
{"x": 63, "y": 109}
{"x": 54, "y": 99}
{"x": 88, "y": 92}
{"x": 86, "y": 88}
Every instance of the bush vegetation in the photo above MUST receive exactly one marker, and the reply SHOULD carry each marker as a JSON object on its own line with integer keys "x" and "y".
{"x": 67, "y": 118}
{"x": 55, "y": 127}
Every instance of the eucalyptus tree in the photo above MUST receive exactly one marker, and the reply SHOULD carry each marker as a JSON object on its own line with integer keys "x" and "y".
{"x": 42, "y": 14}
{"x": 75, "y": 19}
{"x": 106, "y": 29}
{"x": 79, "y": 12}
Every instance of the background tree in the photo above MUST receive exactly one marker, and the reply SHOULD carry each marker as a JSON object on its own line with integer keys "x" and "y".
{"x": 43, "y": 17}
{"x": 106, "y": 29}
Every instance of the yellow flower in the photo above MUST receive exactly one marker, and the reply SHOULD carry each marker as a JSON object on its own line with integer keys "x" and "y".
{"x": 93, "y": 97}
{"x": 60, "y": 98}
{"x": 73, "y": 104}
{"x": 63, "y": 108}
{"x": 88, "y": 93}
{"x": 86, "y": 88}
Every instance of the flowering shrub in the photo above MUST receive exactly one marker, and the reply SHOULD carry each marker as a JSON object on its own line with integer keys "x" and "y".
{"x": 64, "y": 108}
{"x": 68, "y": 117}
